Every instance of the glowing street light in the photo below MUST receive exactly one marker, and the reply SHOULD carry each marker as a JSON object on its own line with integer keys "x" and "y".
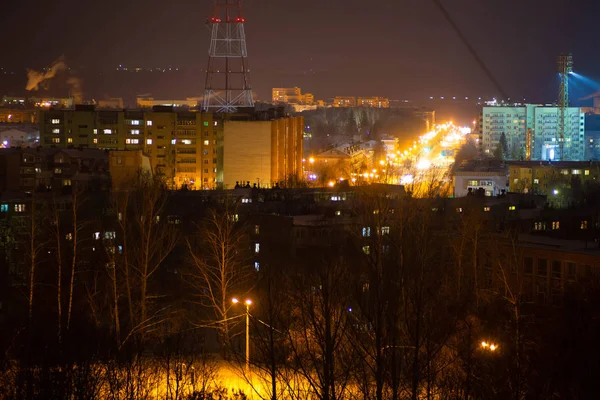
{"x": 489, "y": 346}
{"x": 248, "y": 303}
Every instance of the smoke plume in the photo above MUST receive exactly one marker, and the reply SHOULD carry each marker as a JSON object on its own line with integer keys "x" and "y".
{"x": 35, "y": 78}
{"x": 76, "y": 91}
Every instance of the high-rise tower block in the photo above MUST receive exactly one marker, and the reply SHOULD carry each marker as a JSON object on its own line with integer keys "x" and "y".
{"x": 227, "y": 85}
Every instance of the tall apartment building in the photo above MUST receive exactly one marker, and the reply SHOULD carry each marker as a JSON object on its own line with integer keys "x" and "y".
{"x": 374, "y": 102}
{"x": 540, "y": 124}
{"x": 181, "y": 145}
{"x": 187, "y": 147}
{"x": 292, "y": 96}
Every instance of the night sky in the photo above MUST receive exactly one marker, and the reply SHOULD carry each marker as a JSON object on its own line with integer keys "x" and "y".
{"x": 395, "y": 48}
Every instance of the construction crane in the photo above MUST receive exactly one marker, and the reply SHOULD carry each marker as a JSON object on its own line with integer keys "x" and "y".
{"x": 564, "y": 63}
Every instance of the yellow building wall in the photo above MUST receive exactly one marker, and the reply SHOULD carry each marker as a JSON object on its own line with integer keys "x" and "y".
{"x": 247, "y": 153}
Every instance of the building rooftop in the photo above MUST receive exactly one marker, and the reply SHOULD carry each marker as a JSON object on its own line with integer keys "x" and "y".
{"x": 485, "y": 165}
{"x": 556, "y": 164}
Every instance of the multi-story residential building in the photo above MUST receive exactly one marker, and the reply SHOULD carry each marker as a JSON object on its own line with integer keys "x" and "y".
{"x": 375, "y": 102}
{"x": 344, "y": 101}
{"x": 10, "y": 115}
{"x": 24, "y": 170}
{"x": 181, "y": 145}
{"x": 550, "y": 178}
{"x": 533, "y": 127}
{"x": 292, "y": 96}
{"x": 185, "y": 146}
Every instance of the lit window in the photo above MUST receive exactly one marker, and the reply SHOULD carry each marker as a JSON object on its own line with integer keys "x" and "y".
{"x": 132, "y": 141}
{"x": 4, "y": 208}
{"x": 186, "y": 141}
{"x": 109, "y": 235}
{"x": 108, "y": 131}
{"x": 486, "y": 209}
{"x": 536, "y": 181}
{"x": 148, "y": 141}
{"x": 173, "y": 141}
{"x": 587, "y": 172}
{"x": 459, "y": 209}
{"x": 55, "y": 130}
{"x": 70, "y": 140}
{"x": 55, "y": 121}
{"x": 95, "y": 131}
{"x": 206, "y": 142}
{"x": 385, "y": 230}
{"x": 134, "y": 122}
{"x": 256, "y": 266}
{"x": 584, "y": 225}
{"x": 69, "y": 236}
{"x": 473, "y": 183}
{"x": 576, "y": 172}
{"x": 338, "y": 213}
{"x": 256, "y": 248}
{"x": 135, "y": 131}
{"x": 516, "y": 180}
{"x": 366, "y": 250}
{"x": 216, "y": 123}
{"x": 366, "y": 232}
{"x": 512, "y": 208}
{"x": 205, "y": 123}
{"x": 96, "y": 236}
{"x": 95, "y": 141}
{"x": 256, "y": 229}
{"x": 148, "y": 123}
{"x": 55, "y": 140}
{"x": 66, "y": 182}
{"x": 19, "y": 208}
{"x": 555, "y": 225}
{"x": 58, "y": 170}
{"x": 232, "y": 217}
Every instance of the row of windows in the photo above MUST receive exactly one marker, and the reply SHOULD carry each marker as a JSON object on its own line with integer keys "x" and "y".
{"x": 20, "y": 208}
{"x": 556, "y": 271}
{"x": 384, "y": 230}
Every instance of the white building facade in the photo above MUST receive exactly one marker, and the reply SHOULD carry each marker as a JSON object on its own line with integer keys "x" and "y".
{"x": 538, "y": 122}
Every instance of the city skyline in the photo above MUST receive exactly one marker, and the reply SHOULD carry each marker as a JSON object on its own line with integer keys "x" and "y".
{"x": 394, "y": 49}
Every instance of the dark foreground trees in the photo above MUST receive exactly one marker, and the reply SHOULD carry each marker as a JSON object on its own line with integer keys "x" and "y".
{"x": 390, "y": 300}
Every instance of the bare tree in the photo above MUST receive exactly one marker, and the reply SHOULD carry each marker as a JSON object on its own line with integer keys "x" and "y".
{"x": 219, "y": 259}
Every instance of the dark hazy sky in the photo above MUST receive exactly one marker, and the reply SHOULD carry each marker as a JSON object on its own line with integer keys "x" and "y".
{"x": 396, "y": 48}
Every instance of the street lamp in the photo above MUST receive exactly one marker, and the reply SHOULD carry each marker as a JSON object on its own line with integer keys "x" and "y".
{"x": 247, "y": 302}
{"x": 489, "y": 346}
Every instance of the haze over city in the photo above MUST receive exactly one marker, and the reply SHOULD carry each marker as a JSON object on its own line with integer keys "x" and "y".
{"x": 399, "y": 49}
{"x": 292, "y": 200}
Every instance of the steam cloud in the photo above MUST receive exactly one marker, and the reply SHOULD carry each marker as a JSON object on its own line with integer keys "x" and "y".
{"x": 76, "y": 91}
{"x": 37, "y": 80}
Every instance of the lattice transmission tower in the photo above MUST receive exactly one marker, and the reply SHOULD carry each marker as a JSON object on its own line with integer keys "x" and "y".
{"x": 564, "y": 63}
{"x": 227, "y": 86}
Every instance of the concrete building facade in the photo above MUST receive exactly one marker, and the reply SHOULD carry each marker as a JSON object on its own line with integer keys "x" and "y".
{"x": 182, "y": 145}
{"x": 540, "y": 124}
{"x": 262, "y": 152}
